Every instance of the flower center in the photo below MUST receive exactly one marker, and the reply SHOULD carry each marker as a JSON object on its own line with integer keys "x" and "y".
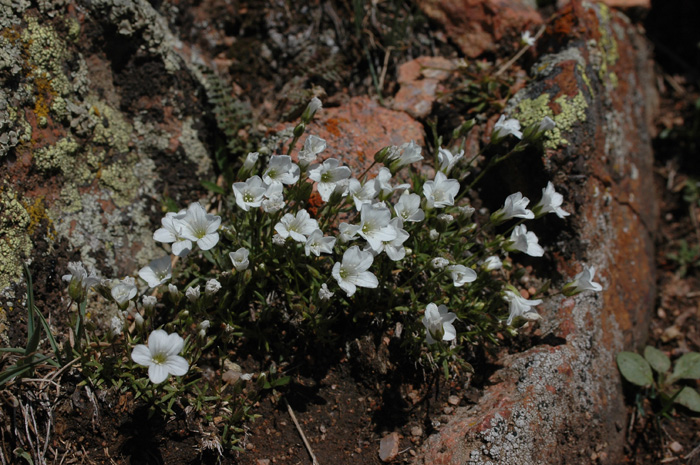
{"x": 159, "y": 358}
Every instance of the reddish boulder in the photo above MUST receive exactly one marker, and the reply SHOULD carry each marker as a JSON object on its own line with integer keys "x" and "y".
{"x": 562, "y": 402}
{"x": 420, "y": 80}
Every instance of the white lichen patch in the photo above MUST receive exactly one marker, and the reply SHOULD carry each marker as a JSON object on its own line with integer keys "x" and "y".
{"x": 193, "y": 147}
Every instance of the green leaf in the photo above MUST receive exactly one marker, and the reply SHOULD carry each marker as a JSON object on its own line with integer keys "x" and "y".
{"x": 213, "y": 187}
{"x": 635, "y": 369}
{"x": 689, "y": 397}
{"x": 657, "y": 359}
{"x": 687, "y": 367}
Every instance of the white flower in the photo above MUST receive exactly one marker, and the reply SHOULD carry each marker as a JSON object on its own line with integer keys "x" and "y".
{"x": 408, "y": 207}
{"x": 504, "y": 127}
{"x": 433, "y": 234}
{"x": 347, "y": 232}
{"x": 374, "y": 225}
{"x": 200, "y": 227}
{"x": 317, "y": 244}
{"x": 312, "y": 147}
{"x": 116, "y": 326}
{"x": 440, "y": 192}
{"x": 466, "y": 211}
{"x": 394, "y": 248}
{"x": 438, "y": 324}
{"x": 171, "y": 232}
{"x": 138, "y": 319}
{"x": 324, "y": 293}
{"x": 274, "y": 198}
{"x": 250, "y": 160}
{"x": 406, "y": 154}
{"x": 161, "y": 356}
{"x": 281, "y": 169}
{"x": 445, "y": 218}
{"x": 352, "y": 272}
{"x": 123, "y": 291}
{"x": 515, "y": 206}
{"x": 173, "y": 289}
{"x": 582, "y": 282}
{"x": 149, "y": 302}
{"x": 239, "y": 258}
{"x": 382, "y": 184}
{"x": 547, "y": 124}
{"x": 550, "y": 203}
{"x": 447, "y": 160}
{"x": 439, "y": 263}
{"x": 157, "y": 272}
{"x": 525, "y": 241}
{"x": 362, "y": 194}
{"x": 461, "y": 275}
{"x": 492, "y": 263}
{"x": 212, "y": 287}
{"x": 520, "y": 306}
{"x": 278, "y": 240}
{"x": 311, "y": 109}
{"x": 79, "y": 281}
{"x": 328, "y": 175}
{"x": 527, "y": 39}
{"x": 297, "y": 227}
{"x": 192, "y": 293}
{"x": 249, "y": 193}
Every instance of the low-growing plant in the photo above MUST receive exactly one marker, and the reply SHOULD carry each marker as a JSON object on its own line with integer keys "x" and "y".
{"x": 659, "y": 382}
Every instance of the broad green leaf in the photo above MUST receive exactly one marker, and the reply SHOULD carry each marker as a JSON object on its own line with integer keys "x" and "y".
{"x": 657, "y": 359}
{"x": 687, "y": 367}
{"x": 689, "y": 397}
{"x": 213, "y": 187}
{"x": 635, "y": 369}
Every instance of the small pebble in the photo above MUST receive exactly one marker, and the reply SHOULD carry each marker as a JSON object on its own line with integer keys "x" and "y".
{"x": 676, "y": 447}
{"x": 447, "y": 410}
{"x": 389, "y": 447}
{"x": 453, "y": 400}
{"x": 416, "y": 431}
{"x": 250, "y": 446}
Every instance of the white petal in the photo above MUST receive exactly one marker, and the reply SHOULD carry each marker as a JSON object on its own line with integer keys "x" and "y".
{"x": 208, "y": 241}
{"x": 182, "y": 248}
{"x": 366, "y": 279}
{"x": 142, "y": 355}
{"x": 157, "y": 373}
{"x": 177, "y": 365}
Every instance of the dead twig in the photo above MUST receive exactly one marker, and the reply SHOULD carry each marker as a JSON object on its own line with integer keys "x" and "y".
{"x": 301, "y": 433}
{"x": 515, "y": 58}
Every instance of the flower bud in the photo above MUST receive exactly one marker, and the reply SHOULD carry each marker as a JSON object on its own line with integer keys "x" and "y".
{"x": 311, "y": 109}
{"x": 299, "y": 129}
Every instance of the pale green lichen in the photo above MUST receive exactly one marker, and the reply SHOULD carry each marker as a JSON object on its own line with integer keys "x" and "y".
{"x": 59, "y": 156}
{"x": 111, "y": 128}
{"x": 193, "y": 147}
{"x": 15, "y": 243}
{"x": 120, "y": 179}
{"x": 572, "y": 111}
{"x": 46, "y": 54}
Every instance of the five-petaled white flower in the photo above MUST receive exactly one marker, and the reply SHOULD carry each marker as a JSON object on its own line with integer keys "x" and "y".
{"x": 79, "y": 281}
{"x": 527, "y": 39}
{"x": 158, "y": 271}
{"x": 317, "y": 243}
{"x": 328, "y": 175}
{"x": 447, "y": 160}
{"x": 515, "y": 206}
{"x": 408, "y": 207}
{"x": 281, "y": 169}
{"x": 212, "y": 287}
{"x": 362, "y": 193}
{"x": 374, "y": 225}
{"x": 492, "y": 263}
{"x": 192, "y": 293}
{"x": 582, "y": 282}
{"x": 149, "y": 302}
{"x": 297, "y": 227}
{"x": 394, "y": 248}
{"x": 200, "y": 227}
{"x": 405, "y": 154}
{"x": 161, "y": 356}
{"x": 439, "y": 263}
{"x": 123, "y": 291}
{"x": 504, "y": 127}
{"x": 352, "y": 272}
{"x": 520, "y": 306}
{"x": 250, "y": 160}
{"x": 440, "y": 192}
{"x": 383, "y": 185}
{"x": 438, "y": 324}
{"x": 324, "y": 293}
{"x": 313, "y": 145}
{"x": 347, "y": 232}
{"x": 461, "y": 275}
{"x": 550, "y": 203}
{"x": 249, "y": 193}
{"x": 171, "y": 232}
{"x": 239, "y": 258}
{"x": 522, "y": 240}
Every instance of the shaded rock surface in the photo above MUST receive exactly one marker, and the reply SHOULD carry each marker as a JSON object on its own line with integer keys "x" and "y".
{"x": 562, "y": 402}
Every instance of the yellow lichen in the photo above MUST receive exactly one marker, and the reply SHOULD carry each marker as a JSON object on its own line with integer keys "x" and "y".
{"x": 573, "y": 110}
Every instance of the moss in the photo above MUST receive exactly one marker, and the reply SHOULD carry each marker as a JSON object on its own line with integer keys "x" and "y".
{"x": 15, "y": 243}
